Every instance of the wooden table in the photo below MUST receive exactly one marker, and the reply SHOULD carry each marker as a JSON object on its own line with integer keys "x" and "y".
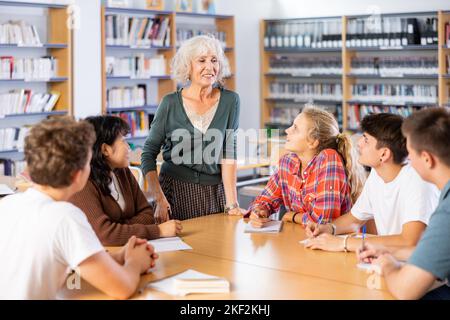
{"x": 258, "y": 266}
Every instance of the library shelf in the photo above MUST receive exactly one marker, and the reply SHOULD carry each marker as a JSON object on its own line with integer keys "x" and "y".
{"x": 41, "y": 115}
{"x": 132, "y": 11}
{"x": 149, "y": 108}
{"x": 301, "y": 76}
{"x": 43, "y": 46}
{"x": 118, "y": 47}
{"x": 396, "y": 103}
{"x": 202, "y": 15}
{"x": 304, "y": 101}
{"x": 302, "y": 50}
{"x": 58, "y": 79}
{"x": 161, "y": 77}
{"x": 400, "y": 76}
{"x": 396, "y": 48}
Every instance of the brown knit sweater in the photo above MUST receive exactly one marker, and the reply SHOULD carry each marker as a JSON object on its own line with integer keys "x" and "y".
{"x": 112, "y": 225}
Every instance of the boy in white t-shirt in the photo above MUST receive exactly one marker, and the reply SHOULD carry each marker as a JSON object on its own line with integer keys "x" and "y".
{"x": 43, "y": 237}
{"x": 427, "y": 266}
{"x": 394, "y": 195}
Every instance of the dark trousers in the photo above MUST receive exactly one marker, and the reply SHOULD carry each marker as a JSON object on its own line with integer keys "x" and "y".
{"x": 441, "y": 293}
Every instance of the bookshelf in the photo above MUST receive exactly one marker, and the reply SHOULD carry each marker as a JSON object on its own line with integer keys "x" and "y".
{"x": 377, "y": 55}
{"x": 155, "y": 86}
{"x": 296, "y": 70}
{"x": 52, "y": 46}
{"x": 444, "y": 58}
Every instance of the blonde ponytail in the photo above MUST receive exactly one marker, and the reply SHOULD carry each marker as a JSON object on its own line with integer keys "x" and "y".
{"x": 355, "y": 172}
{"x": 325, "y": 129}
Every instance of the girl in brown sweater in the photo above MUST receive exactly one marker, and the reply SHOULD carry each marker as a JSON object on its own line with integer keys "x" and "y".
{"x": 112, "y": 200}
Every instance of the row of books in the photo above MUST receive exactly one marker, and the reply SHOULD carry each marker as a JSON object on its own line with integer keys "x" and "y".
{"x": 306, "y": 91}
{"x": 373, "y": 31}
{"x": 395, "y": 93}
{"x": 138, "y": 121}
{"x": 357, "y": 112}
{"x": 447, "y": 34}
{"x": 395, "y": 66}
{"x": 27, "y": 101}
{"x": 304, "y": 34}
{"x": 184, "y": 34}
{"x": 28, "y": 68}
{"x": 131, "y": 96}
{"x": 391, "y": 31}
{"x": 284, "y": 115}
{"x": 448, "y": 63}
{"x": 137, "y": 66}
{"x": 133, "y": 31}
{"x": 20, "y": 33}
{"x": 296, "y": 65}
{"x": 12, "y": 168}
{"x": 13, "y": 138}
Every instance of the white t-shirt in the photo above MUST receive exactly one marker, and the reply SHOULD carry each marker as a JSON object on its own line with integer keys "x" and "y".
{"x": 405, "y": 199}
{"x": 41, "y": 240}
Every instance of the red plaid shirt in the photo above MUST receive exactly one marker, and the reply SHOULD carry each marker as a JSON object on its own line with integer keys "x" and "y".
{"x": 323, "y": 188}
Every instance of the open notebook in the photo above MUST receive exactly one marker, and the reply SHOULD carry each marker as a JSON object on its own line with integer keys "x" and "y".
{"x": 191, "y": 281}
{"x": 169, "y": 244}
{"x": 270, "y": 227}
{"x": 5, "y": 190}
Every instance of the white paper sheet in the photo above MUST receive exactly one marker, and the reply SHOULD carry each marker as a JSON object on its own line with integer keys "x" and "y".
{"x": 270, "y": 227}
{"x": 5, "y": 190}
{"x": 167, "y": 285}
{"x": 169, "y": 244}
{"x": 364, "y": 266}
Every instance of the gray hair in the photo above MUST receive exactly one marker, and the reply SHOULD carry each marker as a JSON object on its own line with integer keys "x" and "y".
{"x": 194, "y": 47}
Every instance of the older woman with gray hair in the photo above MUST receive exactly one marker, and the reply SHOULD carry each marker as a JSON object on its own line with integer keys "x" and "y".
{"x": 195, "y": 127}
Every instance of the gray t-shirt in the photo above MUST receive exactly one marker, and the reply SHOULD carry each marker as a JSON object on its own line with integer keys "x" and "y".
{"x": 433, "y": 250}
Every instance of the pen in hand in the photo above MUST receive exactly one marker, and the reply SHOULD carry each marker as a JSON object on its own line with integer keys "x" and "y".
{"x": 319, "y": 221}
{"x": 363, "y": 237}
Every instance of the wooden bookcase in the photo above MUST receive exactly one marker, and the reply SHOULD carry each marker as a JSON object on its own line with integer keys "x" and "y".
{"x": 58, "y": 44}
{"x": 444, "y": 52}
{"x": 442, "y": 79}
{"x": 160, "y": 86}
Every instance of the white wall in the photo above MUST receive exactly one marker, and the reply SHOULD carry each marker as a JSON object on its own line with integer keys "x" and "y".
{"x": 87, "y": 60}
{"x": 319, "y": 8}
{"x": 248, "y": 14}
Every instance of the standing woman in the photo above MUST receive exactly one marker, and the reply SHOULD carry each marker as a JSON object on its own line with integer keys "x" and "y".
{"x": 195, "y": 126}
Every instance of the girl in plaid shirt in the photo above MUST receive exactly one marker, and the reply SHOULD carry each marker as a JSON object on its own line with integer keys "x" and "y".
{"x": 320, "y": 177}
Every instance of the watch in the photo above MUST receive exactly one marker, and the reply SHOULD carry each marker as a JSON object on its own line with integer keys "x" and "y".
{"x": 231, "y": 207}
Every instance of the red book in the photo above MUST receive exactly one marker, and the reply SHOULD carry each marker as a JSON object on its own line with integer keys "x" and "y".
{"x": 27, "y": 103}
{"x": 11, "y": 64}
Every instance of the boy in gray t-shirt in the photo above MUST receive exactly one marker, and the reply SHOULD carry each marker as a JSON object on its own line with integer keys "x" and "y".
{"x": 427, "y": 133}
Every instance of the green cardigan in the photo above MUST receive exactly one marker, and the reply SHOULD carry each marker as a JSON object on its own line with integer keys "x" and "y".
{"x": 187, "y": 163}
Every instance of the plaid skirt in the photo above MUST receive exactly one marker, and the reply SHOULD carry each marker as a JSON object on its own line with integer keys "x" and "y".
{"x": 191, "y": 200}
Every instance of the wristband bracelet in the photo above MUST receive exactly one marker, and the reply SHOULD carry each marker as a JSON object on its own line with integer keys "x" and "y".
{"x": 345, "y": 242}
{"x": 293, "y": 217}
{"x": 333, "y": 227}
